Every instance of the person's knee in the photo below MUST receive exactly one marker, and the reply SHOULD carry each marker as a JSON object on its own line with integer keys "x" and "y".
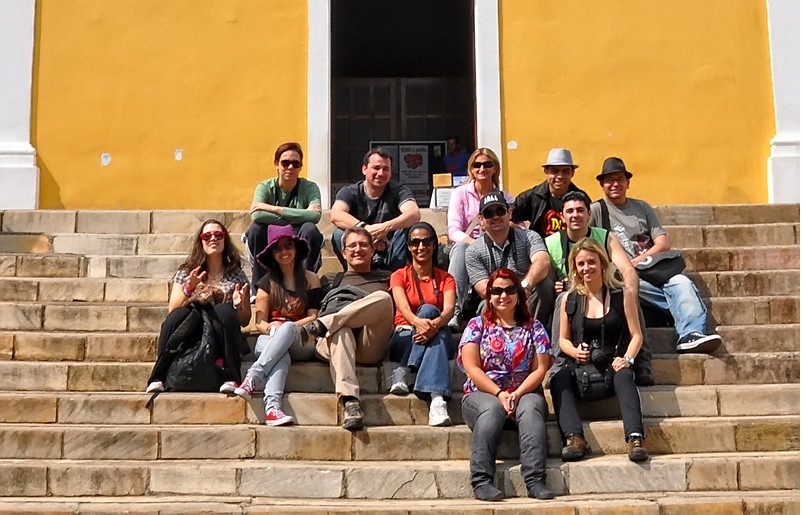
{"x": 532, "y": 405}
{"x": 428, "y": 311}
{"x": 624, "y": 377}
{"x": 309, "y": 231}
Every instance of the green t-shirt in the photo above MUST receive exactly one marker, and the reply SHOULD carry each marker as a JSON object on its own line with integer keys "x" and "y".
{"x": 556, "y": 251}
{"x": 296, "y": 212}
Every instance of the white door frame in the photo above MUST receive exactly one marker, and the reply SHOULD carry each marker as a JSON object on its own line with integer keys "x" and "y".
{"x": 487, "y": 93}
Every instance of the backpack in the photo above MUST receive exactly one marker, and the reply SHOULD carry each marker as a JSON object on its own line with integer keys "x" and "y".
{"x": 193, "y": 366}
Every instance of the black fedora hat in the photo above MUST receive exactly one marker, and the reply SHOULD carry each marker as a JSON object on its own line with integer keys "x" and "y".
{"x": 613, "y": 165}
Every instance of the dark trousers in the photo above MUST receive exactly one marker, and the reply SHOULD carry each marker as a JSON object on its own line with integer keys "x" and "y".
{"x": 562, "y": 388}
{"x": 541, "y": 300}
{"x": 225, "y": 326}
{"x": 486, "y": 417}
{"x": 257, "y": 237}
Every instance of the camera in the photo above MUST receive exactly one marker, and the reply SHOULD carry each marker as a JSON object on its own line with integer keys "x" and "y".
{"x": 598, "y": 357}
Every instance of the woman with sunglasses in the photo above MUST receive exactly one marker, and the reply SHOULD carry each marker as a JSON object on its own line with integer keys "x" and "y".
{"x": 425, "y": 300}
{"x": 214, "y": 262}
{"x": 286, "y": 199}
{"x": 462, "y": 218}
{"x": 600, "y": 329}
{"x": 288, "y": 296}
{"x": 505, "y": 354}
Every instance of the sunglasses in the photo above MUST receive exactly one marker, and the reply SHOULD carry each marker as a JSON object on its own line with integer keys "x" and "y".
{"x": 213, "y": 235}
{"x": 287, "y": 163}
{"x": 484, "y": 164}
{"x": 415, "y": 242}
{"x": 509, "y": 290}
{"x": 497, "y": 211}
{"x": 288, "y": 245}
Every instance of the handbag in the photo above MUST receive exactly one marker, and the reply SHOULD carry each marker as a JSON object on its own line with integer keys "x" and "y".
{"x": 659, "y": 268}
{"x": 593, "y": 383}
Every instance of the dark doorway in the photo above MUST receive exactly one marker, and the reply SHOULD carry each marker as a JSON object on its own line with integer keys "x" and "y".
{"x": 401, "y": 71}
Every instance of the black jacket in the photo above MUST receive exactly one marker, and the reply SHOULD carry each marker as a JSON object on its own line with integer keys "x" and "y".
{"x": 532, "y": 204}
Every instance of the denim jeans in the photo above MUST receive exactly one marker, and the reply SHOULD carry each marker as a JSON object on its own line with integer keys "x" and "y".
{"x": 393, "y": 256}
{"x": 273, "y": 355}
{"x": 457, "y": 269}
{"x": 680, "y": 298}
{"x": 486, "y": 417}
{"x": 430, "y": 359}
{"x": 562, "y": 388}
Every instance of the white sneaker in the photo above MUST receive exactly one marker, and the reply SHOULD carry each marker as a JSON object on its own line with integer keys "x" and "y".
{"x": 155, "y": 386}
{"x": 438, "y": 412}
{"x": 228, "y": 387}
{"x": 399, "y": 381}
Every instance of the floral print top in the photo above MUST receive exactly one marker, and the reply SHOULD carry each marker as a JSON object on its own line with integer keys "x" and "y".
{"x": 506, "y": 353}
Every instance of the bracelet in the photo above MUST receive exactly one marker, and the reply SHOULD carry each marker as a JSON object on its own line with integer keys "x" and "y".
{"x": 187, "y": 291}
{"x": 498, "y": 393}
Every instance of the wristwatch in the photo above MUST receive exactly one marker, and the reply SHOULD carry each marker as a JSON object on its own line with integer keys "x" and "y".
{"x": 526, "y": 285}
{"x": 629, "y": 360}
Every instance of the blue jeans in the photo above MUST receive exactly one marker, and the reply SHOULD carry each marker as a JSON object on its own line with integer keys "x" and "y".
{"x": 393, "y": 258}
{"x": 273, "y": 355}
{"x": 680, "y": 298}
{"x": 457, "y": 269}
{"x": 486, "y": 417}
{"x": 430, "y": 359}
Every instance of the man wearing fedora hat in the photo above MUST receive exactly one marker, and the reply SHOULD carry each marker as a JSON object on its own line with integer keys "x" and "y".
{"x": 541, "y": 205}
{"x": 636, "y": 225}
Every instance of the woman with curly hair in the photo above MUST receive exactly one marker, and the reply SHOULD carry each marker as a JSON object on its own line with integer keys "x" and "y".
{"x": 505, "y": 353}
{"x": 214, "y": 264}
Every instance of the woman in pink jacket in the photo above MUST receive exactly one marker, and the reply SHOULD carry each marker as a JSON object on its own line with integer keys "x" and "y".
{"x": 462, "y": 219}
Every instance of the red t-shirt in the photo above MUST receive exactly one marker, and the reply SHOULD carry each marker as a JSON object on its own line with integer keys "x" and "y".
{"x": 404, "y": 278}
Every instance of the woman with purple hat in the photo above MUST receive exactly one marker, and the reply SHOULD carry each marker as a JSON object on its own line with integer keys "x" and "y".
{"x": 287, "y": 296}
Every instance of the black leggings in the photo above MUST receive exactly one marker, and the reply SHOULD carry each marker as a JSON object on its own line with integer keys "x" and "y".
{"x": 562, "y": 388}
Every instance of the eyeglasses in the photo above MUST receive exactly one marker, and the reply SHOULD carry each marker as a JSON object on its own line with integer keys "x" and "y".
{"x": 508, "y": 290}
{"x": 415, "y": 242}
{"x": 484, "y": 164}
{"x": 287, "y": 163}
{"x": 213, "y": 235}
{"x": 491, "y": 213}
{"x": 355, "y": 244}
{"x": 278, "y": 247}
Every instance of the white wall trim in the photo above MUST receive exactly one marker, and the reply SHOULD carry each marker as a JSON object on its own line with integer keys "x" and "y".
{"x": 488, "y": 95}
{"x": 19, "y": 175}
{"x": 784, "y": 163}
{"x": 318, "y": 96}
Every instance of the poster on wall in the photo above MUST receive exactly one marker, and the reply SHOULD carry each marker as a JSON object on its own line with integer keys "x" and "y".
{"x": 414, "y": 164}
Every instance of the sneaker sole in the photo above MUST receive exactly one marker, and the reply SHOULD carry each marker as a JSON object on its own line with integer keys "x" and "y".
{"x": 399, "y": 389}
{"x": 703, "y": 346}
{"x": 284, "y": 421}
{"x": 441, "y": 423}
{"x": 154, "y": 390}
{"x": 353, "y": 426}
{"x": 242, "y": 393}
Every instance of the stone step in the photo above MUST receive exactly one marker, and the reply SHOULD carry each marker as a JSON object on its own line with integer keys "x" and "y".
{"x": 380, "y": 409}
{"x": 47, "y": 265}
{"x": 681, "y": 236}
{"x": 148, "y": 317}
{"x": 758, "y": 502}
{"x": 727, "y": 472}
{"x": 736, "y": 235}
{"x": 141, "y": 346}
{"x": 85, "y": 289}
{"x": 720, "y": 259}
{"x": 314, "y": 377}
{"x": 100, "y": 289}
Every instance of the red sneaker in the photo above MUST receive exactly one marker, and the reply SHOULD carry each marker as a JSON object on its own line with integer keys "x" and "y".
{"x": 275, "y": 417}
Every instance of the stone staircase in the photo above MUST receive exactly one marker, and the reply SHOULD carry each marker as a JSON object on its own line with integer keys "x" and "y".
{"x": 82, "y": 295}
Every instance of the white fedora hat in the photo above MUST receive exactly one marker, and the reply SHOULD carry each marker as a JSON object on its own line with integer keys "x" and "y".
{"x": 559, "y": 157}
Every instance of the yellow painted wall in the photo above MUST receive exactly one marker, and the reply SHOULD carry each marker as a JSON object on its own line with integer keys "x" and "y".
{"x": 679, "y": 89}
{"x": 224, "y": 80}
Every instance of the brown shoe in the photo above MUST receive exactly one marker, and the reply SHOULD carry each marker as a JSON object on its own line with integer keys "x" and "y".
{"x": 576, "y": 448}
{"x": 636, "y": 450}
